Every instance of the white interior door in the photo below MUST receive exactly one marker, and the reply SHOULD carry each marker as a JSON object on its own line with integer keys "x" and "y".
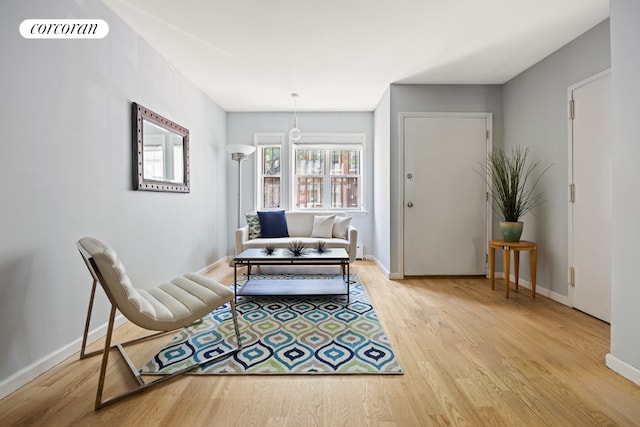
{"x": 590, "y": 212}
{"x": 445, "y": 208}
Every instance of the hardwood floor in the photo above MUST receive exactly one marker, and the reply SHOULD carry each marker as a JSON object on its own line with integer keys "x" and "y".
{"x": 470, "y": 356}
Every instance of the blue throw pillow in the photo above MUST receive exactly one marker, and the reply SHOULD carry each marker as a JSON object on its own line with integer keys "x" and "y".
{"x": 273, "y": 224}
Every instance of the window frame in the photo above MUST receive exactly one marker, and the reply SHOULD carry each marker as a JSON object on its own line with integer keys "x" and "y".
{"x": 261, "y": 141}
{"x": 343, "y": 140}
{"x": 328, "y": 142}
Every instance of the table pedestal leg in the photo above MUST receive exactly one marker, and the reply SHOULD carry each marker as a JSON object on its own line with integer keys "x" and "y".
{"x": 492, "y": 266}
{"x": 516, "y": 266}
{"x": 506, "y": 254}
{"x": 534, "y": 262}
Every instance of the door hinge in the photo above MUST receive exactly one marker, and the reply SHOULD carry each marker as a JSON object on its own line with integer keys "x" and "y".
{"x": 486, "y": 258}
{"x": 572, "y": 193}
{"x": 487, "y": 134}
{"x": 572, "y": 276}
{"x": 486, "y": 196}
{"x": 572, "y": 109}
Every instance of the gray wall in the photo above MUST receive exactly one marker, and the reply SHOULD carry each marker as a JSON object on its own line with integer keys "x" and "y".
{"x": 431, "y": 98}
{"x": 625, "y": 69}
{"x": 65, "y": 170}
{"x": 240, "y": 130}
{"x": 382, "y": 183}
{"x": 535, "y": 115}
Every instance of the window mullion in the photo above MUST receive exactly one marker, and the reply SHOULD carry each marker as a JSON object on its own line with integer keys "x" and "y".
{"x": 328, "y": 201}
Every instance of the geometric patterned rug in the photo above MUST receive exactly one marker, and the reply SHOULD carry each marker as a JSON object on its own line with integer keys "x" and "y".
{"x": 285, "y": 335}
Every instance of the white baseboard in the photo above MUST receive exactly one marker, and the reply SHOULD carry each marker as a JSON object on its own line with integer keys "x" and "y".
{"x": 623, "y": 368}
{"x": 378, "y": 264}
{"x": 39, "y": 367}
{"x": 221, "y": 261}
{"x": 540, "y": 290}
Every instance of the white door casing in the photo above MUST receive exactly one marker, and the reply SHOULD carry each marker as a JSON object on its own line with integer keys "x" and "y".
{"x": 590, "y": 204}
{"x": 446, "y": 215}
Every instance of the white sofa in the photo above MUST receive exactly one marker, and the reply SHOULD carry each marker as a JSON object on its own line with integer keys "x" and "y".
{"x": 300, "y": 227}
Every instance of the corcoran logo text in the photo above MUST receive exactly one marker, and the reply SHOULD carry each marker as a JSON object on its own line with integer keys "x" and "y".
{"x": 64, "y": 29}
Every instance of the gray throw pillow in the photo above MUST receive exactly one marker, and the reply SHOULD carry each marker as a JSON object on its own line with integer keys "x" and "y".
{"x": 323, "y": 226}
{"x": 341, "y": 226}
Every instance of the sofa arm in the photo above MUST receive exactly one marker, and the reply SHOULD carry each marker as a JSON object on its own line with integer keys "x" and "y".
{"x": 242, "y": 235}
{"x": 352, "y": 236}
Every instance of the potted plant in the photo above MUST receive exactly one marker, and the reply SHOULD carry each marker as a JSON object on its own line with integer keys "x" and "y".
{"x": 512, "y": 183}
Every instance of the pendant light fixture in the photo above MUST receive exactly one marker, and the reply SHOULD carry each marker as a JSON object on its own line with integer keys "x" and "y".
{"x": 294, "y": 133}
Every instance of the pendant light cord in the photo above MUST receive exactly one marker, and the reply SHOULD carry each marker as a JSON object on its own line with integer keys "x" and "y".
{"x": 295, "y": 109}
{"x": 294, "y": 133}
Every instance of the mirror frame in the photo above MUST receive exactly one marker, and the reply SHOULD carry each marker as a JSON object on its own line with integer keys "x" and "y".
{"x": 138, "y": 115}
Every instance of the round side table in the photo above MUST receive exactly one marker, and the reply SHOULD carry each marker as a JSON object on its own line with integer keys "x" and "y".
{"x": 516, "y": 247}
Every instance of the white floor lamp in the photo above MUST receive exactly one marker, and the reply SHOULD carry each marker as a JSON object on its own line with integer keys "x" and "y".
{"x": 239, "y": 153}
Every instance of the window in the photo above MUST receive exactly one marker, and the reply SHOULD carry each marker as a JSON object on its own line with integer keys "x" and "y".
{"x": 321, "y": 171}
{"x": 345, "y": 178}
{"x": 309, "y": 177}
{"x": 271, "y": 182}
{"x": 327, "y": 177}
{"x": 269, "y": 170}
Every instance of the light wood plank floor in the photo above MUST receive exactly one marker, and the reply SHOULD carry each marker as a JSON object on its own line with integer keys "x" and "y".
{"x": 470, "y": 356}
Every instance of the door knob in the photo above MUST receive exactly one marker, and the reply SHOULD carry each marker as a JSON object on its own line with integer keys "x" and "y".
{"x": 409, "y": 175}
{"x": 410, "y": 204}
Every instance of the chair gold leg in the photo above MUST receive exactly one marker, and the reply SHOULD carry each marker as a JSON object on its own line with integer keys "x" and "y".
{"x": 85, "y": 335}
{"x": 234, "y": 316}
{"x": 105, "y": 359}
{"x": 100, "y": 403}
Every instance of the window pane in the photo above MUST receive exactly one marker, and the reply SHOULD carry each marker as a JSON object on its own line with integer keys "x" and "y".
{"x": 345, "y": 162}
{"x": 271, "y": 161}
{"x": 344, "y": 193}
{"x": 153, "y": 156}
{"x": 271, "y": 193}
{"x": 309, "y": 162}
{"x": 178, "y": 165}
{"x": 310, "y": 192}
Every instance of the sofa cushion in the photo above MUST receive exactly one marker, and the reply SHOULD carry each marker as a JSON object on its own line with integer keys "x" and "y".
{"x": 273, "y": 224}
{"x": 341, "y": 226}
{"x": 309, "y": 242}
{"x": 323, "y": 226}
{"x": 253, "y": 222}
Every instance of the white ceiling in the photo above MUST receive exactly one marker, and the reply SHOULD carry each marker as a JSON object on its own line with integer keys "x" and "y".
{"x": 341, "y": 55}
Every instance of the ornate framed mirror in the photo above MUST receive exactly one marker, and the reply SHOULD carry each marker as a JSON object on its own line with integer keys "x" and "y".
{"x": 160, "y": 152}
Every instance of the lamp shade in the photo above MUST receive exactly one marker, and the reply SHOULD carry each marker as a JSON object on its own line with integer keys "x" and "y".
{"x": 245, "y": 150}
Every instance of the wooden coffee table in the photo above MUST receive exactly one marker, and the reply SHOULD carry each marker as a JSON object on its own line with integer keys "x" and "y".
{"x": 323, "y": 286}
